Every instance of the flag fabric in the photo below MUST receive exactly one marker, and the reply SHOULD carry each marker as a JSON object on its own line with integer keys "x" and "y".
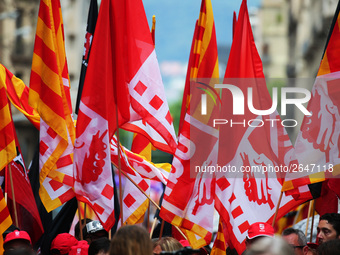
{"x": 17, "y": 93}
{"x": 124, "y": 67}
{"x": 91, "y": 26}
{"x": 189, "y": 202}
{"x": 253, "y": 145}
{"x": 27, "y": 211}
{"x": 5, "y": 218}
{"x": 317, "y": 145}
{"x": 50, "y": 96}
{"x": 135, "y": 203}
{"x": 7, "y": 132}
{"x": 219, "y": 247}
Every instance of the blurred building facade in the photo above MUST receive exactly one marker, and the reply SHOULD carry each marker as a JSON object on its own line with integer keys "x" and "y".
{"x": 294, "y": 34}
{"x": 18, "y": 20}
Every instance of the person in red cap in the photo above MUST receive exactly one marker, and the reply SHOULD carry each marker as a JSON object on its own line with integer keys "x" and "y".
{"x": 18, "y": 240}
{"x": 259, "y": 229}
{"x": 62, "y": 244}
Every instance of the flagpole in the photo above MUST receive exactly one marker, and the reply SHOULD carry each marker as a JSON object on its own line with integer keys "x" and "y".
{"x": 13, "y": 196}
{"x": 80, "y": 222}
{"x": 311, "y": 230}
{"x": 277, "y": 209}
{"x": 308, "y": 215}
{"x": 119, "y": 163}
{"x": 153, "y": 227}
{"x": 151, "y": 200}
{"x": 161, "y": 232}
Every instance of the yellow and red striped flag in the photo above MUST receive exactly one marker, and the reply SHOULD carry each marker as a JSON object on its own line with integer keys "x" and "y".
{"x": 189, "y": 202}
{"x": 7, "y": 137}
{"x": 50, "y": 95}
{"x": 220, "y": 246}
{"x": 17, "y": 93}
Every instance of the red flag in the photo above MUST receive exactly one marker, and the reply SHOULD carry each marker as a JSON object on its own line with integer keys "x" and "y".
{"x": 250, "y": 196}
{"x": 28, "y": 214}
{"x": 317, "y": 146}
{"x": 189, "y": 202}
{"x": 122, "y": 83}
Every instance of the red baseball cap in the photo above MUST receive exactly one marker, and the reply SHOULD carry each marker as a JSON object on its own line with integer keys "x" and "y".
{"x": 63, "y": 243}
{"x": 260, "y": 229}
{"x": 17, "y": 235}
{"x": 81, "y": 248}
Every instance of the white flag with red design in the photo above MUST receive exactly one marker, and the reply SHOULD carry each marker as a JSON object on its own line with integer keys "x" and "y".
{"x": 122, "y": 82}
{"x": 255, "y": 147}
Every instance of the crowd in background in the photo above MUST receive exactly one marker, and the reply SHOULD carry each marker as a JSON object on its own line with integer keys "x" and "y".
{"x": 92, "y": 239}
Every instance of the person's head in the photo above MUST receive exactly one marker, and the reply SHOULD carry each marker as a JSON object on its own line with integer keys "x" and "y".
{"x": 17, "y": 240}
{"x": 329, "y": 227}
{"x": 62, "y": 244}
{"x": 331, "y": 247}
{"x": 77, "y": 228}
{"x": 258, "y": 230}
{"x": 269, "y": 246}
{"x": 166, "y": 244}
{"x": 93, "y": 231}
{"x": 100, "y": 246}
{"x": 295, "y": 238}
{"x": 131, "y": 240}
{"x": 310, "y": 249}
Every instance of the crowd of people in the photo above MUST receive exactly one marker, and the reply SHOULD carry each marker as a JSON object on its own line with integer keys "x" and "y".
{"x": 93, "y": 239}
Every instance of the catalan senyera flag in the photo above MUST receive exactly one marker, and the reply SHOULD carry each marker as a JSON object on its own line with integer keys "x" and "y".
{"x": 245, "y": 197}
{"x": 7, "y": 136}
{"x": 5, "y": 218}
{"x": 317, "y": 146}
{"x": 17, "y": 93}
{"x": 219, "y": 247}
{"x": 50, "y": 95}
{"x": 189, "y": 202}
{"x": 122, "y": 86}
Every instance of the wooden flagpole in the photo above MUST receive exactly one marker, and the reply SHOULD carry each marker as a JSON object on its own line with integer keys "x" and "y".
{"x": 80, "y": 221}
{"x": 313, "y": 214}
{"x": 151, "y": 200}
{"x": 308, "y": 215}
{"x": 161, "y": 232}
{"x": 153, "y": 227}
{"x": 277, "y": 209}
{"x": 13, "y": 196}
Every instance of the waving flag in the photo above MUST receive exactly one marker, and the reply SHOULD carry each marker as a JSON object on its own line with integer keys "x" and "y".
{"x": 91, "y": 26}
{"x": 50, "y": 96}
{"x": 17, "y": 93}
{"x": 7, "y": 136}
{"x": 122, "y": 83}
{"x": 189, "y": 202}
{"x": 318, "y": 145}
{"x": 27, "y": 211}
{"x": 5, "y": 218}
{"x": 241, "y": 145}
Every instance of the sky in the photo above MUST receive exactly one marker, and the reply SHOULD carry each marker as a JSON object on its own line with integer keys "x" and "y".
{"x": 175, "y": 22}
